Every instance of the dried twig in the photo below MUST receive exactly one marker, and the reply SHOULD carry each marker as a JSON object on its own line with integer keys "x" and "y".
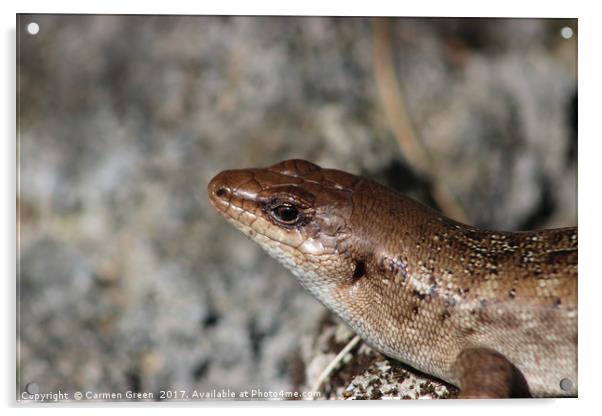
{"x": 334, "y": 363}
{"x": 397, "y": 113}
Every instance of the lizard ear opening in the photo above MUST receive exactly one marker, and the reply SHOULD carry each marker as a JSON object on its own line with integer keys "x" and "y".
{"x": 360, "y": 270}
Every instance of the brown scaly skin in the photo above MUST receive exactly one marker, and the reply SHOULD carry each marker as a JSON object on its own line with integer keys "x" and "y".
{"x": 493, "y": 312}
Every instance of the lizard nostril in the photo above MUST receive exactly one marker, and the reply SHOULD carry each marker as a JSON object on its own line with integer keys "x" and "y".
{"x": 222, "y": 192}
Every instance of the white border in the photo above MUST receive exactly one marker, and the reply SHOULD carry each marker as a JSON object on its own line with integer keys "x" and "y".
{"x": 590, "y": 153}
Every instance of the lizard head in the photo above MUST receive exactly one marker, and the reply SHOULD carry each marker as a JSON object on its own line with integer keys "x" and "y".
{"x": 300, "y": 214}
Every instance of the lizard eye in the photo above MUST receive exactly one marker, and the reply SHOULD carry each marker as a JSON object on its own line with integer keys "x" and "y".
{"x": 286, "y": 214}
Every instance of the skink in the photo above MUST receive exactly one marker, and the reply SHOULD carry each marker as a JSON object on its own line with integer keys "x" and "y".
{"x": 492, "y": 312}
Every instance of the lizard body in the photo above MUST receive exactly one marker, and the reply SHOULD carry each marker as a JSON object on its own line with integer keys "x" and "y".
{"x": 492, "y": 312}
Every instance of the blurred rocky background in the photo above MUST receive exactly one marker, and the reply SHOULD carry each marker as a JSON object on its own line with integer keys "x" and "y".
{"x": 128, "y": 280}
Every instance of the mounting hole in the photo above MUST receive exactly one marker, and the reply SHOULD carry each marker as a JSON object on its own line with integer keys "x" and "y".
{"x": 33, "y": 28}
{"x": 32, "y": 388}
{"x": 566, "y": 32}
{"x": 566, "y": 384}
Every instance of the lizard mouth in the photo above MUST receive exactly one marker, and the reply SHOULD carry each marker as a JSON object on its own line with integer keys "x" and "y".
{"x": 225, "y": 197}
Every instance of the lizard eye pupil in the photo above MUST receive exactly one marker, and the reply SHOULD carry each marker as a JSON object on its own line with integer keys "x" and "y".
{"x": 286, "y": 213}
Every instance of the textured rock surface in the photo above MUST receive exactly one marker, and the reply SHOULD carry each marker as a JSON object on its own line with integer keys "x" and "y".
{"x": 362, "y": 374}
{"x": 129, "y": 280}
